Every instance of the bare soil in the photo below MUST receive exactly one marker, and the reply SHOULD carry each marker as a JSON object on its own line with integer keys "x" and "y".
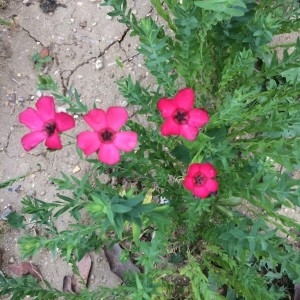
{"x": 84, "y": 43}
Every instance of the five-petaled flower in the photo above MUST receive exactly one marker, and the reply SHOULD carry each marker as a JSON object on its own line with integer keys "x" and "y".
{"x": 181, "y": 118}
{"x": 200, "y": 180}
{"x": 106, "y": 138}
{"x": 45, "y": 124}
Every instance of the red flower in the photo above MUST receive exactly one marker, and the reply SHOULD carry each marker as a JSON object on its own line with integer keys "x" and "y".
{"x": 181, "y": 118}
{"x": 200, "y": 180}
{"x": 106, "y": 138}
{"x": 45, "y": 124}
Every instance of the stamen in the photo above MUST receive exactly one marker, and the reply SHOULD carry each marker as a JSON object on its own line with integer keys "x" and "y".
{"x": 106, "y": 135}
{"x": 199, "y": 179}
{"x": 50, "y": 128}
{"x": 181, "y": 117}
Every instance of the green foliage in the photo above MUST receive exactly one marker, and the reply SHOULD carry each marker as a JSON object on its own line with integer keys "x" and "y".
{"x": 22, "y": 287}
{"x": 40, "y": 61}
{"x": 72, "y": 98}
{"x": 5, "y": 22}
{"x": 15, "y": 220}
{"x": 198, "y": 281}
{"x": 221, "y": 49}
{"x": 11, "y": 181}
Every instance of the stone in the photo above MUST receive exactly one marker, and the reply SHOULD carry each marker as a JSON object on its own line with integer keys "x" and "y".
{"x": 98, "y": 64}
{"x": 76, "y": 169}
{"x": 124, "y": 103}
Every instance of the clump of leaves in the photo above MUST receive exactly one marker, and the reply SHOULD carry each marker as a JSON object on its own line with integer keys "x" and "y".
{"x": 220, "y": 48}
{"x": 41, "y": 59}
{"x": 5, "y": 22}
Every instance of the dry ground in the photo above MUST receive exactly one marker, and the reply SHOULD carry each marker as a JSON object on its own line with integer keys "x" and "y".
{"x": 84, "y": 44}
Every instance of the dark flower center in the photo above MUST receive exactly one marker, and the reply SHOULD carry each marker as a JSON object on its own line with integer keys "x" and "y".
{"x": 50, "y": 128}
{"x": 106, "y": 135}
{"x": 181, "y": 116}
{"x": 199, "y": 179}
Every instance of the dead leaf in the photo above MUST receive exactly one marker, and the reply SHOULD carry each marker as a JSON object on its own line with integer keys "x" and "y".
{"x": 25, "y": 268}
{"x": 118, "y": 267}
{"x": 1, "y": 258}
{"x": 297, "y": 292}
{"x": 67, "y": 284}
{"x": 84, "y": 267}
{"x": 44, "y": 52}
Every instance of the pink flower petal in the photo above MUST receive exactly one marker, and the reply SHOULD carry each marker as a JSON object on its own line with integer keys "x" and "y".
{"x": 169, "y": 127}
{"x": 188, "y": 183}
{"x": 126, "y": 140}
{"x": 212, "y": 185}
{"x": 189, "y": 132}
{"x": 116, "y": 117}
{"x": 109, "y": 154}
{"x": 193, "y": 170}
{"x": 166, "y": 107}
{"x": 64, "y": 121}
{"x": 208, "y": 170}
{"x": 96, "y": 119}
{"x": 185, "y": 99}
{"x": 198, "y": 117}
{"x": 30, "y": 118}
{"x": 32, "y": 139}
{"x": 53, "y": 142}
{"x": 88, "y": 142}
{"x": 46, "y": 108}
{"x": 201, "y": 192}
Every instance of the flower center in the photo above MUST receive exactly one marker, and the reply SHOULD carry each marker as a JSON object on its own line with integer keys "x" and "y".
{"x": 106, "y": 135}
{"x": 50, "y": 128}
{"x": 181, "y": 116}
{"x": 199, "y": 179}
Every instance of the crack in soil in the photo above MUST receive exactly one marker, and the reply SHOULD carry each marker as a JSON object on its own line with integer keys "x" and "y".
{"x": 65, "y": 81}
{"x": 31, "y": 36}
{"x": 7, "y": 143}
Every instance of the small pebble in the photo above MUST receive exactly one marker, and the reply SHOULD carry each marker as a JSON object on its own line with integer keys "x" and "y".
{"x": 108, "y": 17}
{"x": 11, "y": 97}
{"x": 18, "y": 189}
{"x": 39, "y": 93}
{"x": 31, "y": 194}
{"x": 83, "y": 24}
{"x": 21, "y": 99}
{"x": 98, "y": 64}
{"x": 32, "y": 176}
{"x": 79, "y": 3}
{"x": 6, "y": 212}
{"x": 76, "y": 169}
{"x": 80, "y": 76}
{"x": 42, "y": 193}
{"x": 124, "y": 103}
{"x": 11, "y": 260}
